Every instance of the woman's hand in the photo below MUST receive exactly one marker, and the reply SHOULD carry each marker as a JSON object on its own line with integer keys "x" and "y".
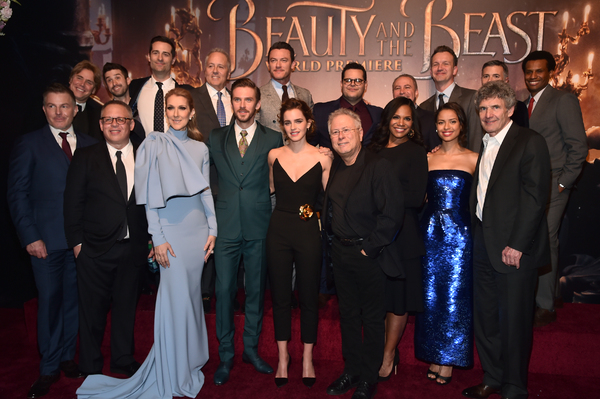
{"x": 208, "y": 247}
{"x": 162, "y": 254}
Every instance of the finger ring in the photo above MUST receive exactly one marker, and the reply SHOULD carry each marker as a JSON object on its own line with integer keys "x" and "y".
{"x": 212, "y": 252}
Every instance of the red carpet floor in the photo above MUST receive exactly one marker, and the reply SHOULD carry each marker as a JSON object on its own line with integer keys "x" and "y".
{"x": 563, "y": 364}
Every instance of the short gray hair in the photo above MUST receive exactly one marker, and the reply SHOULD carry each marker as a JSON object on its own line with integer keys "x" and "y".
{"x": 497, "y": 89}
{"x": 347, "y": 112}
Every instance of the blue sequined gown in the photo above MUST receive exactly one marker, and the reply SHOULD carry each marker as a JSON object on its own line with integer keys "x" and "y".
{"x": 444, "y": 331}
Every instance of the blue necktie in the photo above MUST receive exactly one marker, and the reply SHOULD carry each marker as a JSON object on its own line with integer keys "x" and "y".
{"x": 221, "y": 111}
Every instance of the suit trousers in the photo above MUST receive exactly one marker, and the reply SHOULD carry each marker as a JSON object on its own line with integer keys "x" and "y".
{"x": 227, "y": 259}
{"x": 108, "y": 282}
{"x": 503, "y": 321}
{"x": 547, "y": 282}
{"x": 360, "y": 285}
{"x": 56, "y": 281}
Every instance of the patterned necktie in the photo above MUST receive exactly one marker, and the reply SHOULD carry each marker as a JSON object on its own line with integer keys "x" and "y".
{"x": 159, "y": 109}
{"x": 65, "y": 145}
{"x": 530, "y": 106}
{"x": 441, "y": 102}
{"x": 122, "y": 179}
{"x": 243, "y": 145}
{"x": 285, "y": 95}
{"x": 221, "y": 111}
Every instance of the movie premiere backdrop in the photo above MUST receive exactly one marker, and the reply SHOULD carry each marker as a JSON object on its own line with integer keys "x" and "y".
{"x": 389, "y": 37}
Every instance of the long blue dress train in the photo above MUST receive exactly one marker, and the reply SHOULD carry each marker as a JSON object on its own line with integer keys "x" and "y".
{"x": 172, "y": 172}
{"x": 444, "y": 331}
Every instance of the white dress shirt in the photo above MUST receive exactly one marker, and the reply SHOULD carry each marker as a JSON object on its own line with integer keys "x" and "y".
{"x": 279, "y": 90}
{"x": 225, "y": 98}
{"x": 491, "y": 146}
{"x": 129, "y": 161}
{"x": 447, "y": 93}
{"x": 71, "y": 137}
{"x": 145, "y": 102}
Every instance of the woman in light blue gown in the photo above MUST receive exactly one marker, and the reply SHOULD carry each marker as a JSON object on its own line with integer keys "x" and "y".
{"x": 171, "y": 180}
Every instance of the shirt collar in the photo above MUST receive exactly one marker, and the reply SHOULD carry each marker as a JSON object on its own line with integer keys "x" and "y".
{"x": 56, "y": 131}
{"x": 251, "y": 129}
{"x": 212, "y": 91}
{"x": 278, "y": 86}
{"x": 125, "y": 150}
{"x": 448, "y": 90}
{"x": 537, "y": 96}
{"x": 500, "y": 136}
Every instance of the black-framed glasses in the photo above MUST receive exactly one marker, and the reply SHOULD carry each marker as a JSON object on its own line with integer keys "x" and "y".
{"x": 108, "y": 120}
{"x": 356, "y": 81}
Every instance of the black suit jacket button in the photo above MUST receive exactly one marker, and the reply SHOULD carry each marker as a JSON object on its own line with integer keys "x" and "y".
{"x": 241, "y": 188}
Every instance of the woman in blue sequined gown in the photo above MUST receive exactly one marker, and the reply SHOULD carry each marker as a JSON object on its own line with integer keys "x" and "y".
{"x": 444, "y": 331}
{"x": 171, "y": 179}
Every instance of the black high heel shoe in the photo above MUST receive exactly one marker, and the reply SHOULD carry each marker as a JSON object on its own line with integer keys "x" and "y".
{"x": 394, "y": 369}
{"x": 281, "y": 381}
{"x": 308, "y": 381}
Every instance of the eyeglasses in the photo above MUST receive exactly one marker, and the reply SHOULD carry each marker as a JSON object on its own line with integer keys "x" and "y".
{"x": 109, "y": 120}
{"x": 344, "y": 131}
{"x": 357, "y": 81}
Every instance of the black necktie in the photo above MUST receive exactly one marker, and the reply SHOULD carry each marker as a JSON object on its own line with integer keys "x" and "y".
{"x": 441, "y": 102}
{"x": 285, "y": 95}
{"x": 159, "y": 109}
{"x": 122, "y": 179}
{"x": 79, "y": 108}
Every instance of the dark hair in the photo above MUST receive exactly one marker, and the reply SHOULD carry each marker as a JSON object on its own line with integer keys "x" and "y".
{"x": 446, "y": 49}
{"x": 540, "y": 55}
{"x": 355, "y": 65}
{"x": 109, "y": 66}
{"x": 58, "y": 88}
{"x": 118, "y": 102}
{"x": 294, "y": 103}
{"x": 245, "y": 82}
{"x": 192, "y": 129}
{"x": 496, "y": 63}
{"x": 462, "y": 119}
{"x": 382, "y": 135}
{"x": 85, "y": 64}
{"x": 497, "y": 89}
{"x": 163, "y": 39}
{"x": 282, "y": 46}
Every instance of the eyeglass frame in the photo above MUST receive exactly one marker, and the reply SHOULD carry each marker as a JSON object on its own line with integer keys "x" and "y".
{"x": 105, "y": 121}
{"x": 356, "y": 81}
{"x": 345, "y": 131}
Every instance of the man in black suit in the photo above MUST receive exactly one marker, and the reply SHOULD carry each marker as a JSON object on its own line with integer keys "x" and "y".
{"x": 148, "y": 94}
{"x": 444, "y": 67}
{"x": 109, "y": 236}
{"x": 85, "y": 82}
{"x": 406, "y": 86}
{"x": 354, "y": 87}
{"x": 117, "y": 80}
{"x": 364, "y": 223}
{"x": 497, "y": 70}
{"x": 511, "y": 186}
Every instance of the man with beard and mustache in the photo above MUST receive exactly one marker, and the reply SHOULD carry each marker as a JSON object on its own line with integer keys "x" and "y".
{"x": 239, "y": 151}
{"x": 117, "y": 80}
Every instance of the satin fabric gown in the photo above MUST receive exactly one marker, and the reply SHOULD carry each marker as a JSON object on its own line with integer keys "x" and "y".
{"x": 180, "y": 350}
{"x": 444, "y": 331}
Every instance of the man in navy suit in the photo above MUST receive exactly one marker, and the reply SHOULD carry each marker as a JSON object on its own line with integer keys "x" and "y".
{"x": 37, "y": 177}
{"x": 354, "y": 87}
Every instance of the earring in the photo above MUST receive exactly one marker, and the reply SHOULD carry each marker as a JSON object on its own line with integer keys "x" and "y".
{"x": 411, "y": 134}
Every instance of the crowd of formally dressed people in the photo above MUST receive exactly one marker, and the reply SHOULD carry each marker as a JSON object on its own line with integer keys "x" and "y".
{"x": 449, "y": 210}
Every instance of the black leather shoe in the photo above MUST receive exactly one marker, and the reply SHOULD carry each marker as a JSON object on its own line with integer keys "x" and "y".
{"x": 260, "y": 365}
{"x": 71, "y": 370}
{"x": 364, "y": 390}
{"x": 128, "y": 370}
{"x": 42, "y": 385}
{"x": 342, "y": 384}
{"x": 222, "y": 373}
{"x": 480, "y": 391}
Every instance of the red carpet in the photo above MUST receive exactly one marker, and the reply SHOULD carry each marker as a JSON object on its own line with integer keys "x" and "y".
{"x": 563, "y": 363}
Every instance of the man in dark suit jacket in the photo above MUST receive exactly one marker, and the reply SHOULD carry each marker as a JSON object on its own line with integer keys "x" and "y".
{"x": 444, "y": 67}
{"x": 85, "y": 82}
{"x": 109, "y": 236}
{"x": 556, "y": 115}
{"x": 243, "y": 206}
{"x": 212, "y": 102}
{"x": 511, "y": 185}
{"x": 354, "y": 86}
{"x": 364, "y": 224}
{"x": 151, "y": 90}
{"x": 37, "y": 176}
{"x": 406, "y": 86}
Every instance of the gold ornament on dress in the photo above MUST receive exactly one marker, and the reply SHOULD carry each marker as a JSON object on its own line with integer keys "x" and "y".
{"x": 306, "y": 212}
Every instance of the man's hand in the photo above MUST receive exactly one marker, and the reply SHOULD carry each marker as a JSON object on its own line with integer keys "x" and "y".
{"x": 560, "y": 188}
{"x": 326, "y": 151}
{"x": 37, "y": 249}
{"x": 76, "y": 250}
{"x": 511, "y": 257}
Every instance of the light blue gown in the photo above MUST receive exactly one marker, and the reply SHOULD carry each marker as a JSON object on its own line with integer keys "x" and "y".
{"x": 171, "y": 177}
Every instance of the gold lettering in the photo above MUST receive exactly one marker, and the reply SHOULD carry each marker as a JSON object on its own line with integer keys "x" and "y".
{"x": 540, "y": 35}
{"x": 380, "y": 29}
{"x": 468, "y": 31}
{"x": 381, "y": 46}
{"x": 315, "y": 66}
{"x": 406, "y": 47}
{"x": 395, "y": 29}
{"x": 232, "y": 41}
{"x": 378, "y": 65}
{"x": 519, "y": 32}
{"x": 427, "y": 34}
{"x": 412, "y": 31}
{"x": 396, "y": 46}
{"x": 387, "y": 65}
{"x": 329, "y": 64}
{"x": 300, "y": 37}
{"x": 398, "y": 65}
{"x": 270, "y": 32}
{"x": 339, "y": 65}
{"x": 361, "y": 35}
{"x": 495, "y": 21}
{"x": 313, "y": 41}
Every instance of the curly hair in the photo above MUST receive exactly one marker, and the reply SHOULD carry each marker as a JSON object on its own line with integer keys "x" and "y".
{"x": 294, "y": 103}
{"x": 382, "y": 134}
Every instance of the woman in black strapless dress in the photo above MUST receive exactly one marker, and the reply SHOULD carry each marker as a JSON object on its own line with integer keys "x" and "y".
{"x": 298, "y": 172}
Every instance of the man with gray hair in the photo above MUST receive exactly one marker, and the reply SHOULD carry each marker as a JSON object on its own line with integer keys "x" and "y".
{"x": 364, "y": 223}
{"x": 498, "y": 70}
{"x": 511, "y": 185}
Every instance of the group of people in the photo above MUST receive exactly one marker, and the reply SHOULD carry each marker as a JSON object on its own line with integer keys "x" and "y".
{"x": 446, "y": 210}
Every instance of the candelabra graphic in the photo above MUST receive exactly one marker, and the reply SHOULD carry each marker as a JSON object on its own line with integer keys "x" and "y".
{"x": 188, "y": 26}
{"x": 103, "y": 25}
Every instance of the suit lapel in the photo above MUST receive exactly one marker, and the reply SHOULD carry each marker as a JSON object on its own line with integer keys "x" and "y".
{"x": 206, "y": 103}
{"x": 455, "y": 95}
{"x": 505, "y": 149}
{"x": 50, "y": 142}
{"x": 542, "y": 102}
{"x": 254, "y": 148}
{"x": 230, "y": 148}
{"x": 108, "y": 170}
